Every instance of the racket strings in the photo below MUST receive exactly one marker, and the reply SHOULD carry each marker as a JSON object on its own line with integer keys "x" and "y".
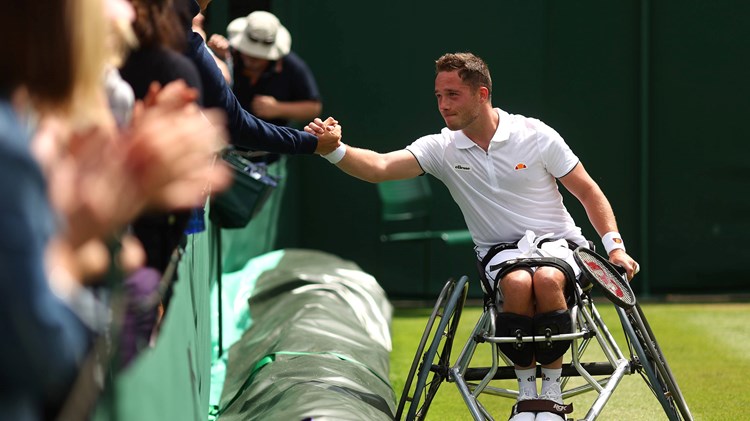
{"x": 605, "y": 273}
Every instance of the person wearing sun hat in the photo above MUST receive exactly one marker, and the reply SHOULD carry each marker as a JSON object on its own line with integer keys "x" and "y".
{"x": 260, "y": 34}
{"x": 275, "y": 85}
{"x": 270, "y": 80}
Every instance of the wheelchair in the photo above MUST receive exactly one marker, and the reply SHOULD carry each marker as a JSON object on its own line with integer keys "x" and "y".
{"x": 432, "y": 365}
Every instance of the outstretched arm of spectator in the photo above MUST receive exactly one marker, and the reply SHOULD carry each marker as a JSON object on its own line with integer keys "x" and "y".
{"x": 245, "y": 129}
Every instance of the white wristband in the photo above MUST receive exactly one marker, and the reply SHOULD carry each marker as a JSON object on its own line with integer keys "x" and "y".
{"x": 337, "y": 154}
{"x": 612, "y": 241}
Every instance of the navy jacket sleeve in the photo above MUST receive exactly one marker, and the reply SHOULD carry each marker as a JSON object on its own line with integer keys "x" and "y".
{"x": 245, "y": 129}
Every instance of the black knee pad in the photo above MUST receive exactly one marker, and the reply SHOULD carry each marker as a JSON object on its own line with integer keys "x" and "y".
{"x": 510, "y": 324}
{"x": 554, "y": 322}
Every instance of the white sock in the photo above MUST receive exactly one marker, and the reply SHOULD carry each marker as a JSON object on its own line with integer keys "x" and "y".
{"x": 526, "y": 383}
{"x": 551, "y": 384}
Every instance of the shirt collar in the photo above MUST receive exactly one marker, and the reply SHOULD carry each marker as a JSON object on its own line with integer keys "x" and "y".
{"x": 501, "y": 134}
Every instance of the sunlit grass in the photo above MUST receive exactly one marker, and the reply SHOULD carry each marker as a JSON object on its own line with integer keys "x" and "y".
{"x": 704, "y": 345}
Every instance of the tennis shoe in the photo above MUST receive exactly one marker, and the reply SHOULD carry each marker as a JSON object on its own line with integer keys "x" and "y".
{"x": 523, "y": 416}
{"x": 552, "y": 393}
{"x": 555, "y": 395}
{"x": 524, "y": 395}
{"x": 548, "y": 416}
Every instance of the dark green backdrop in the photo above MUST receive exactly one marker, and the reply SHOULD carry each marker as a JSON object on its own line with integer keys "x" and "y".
{"x": 652, "y": 96}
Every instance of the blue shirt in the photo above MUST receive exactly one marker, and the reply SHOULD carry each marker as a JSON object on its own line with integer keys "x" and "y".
{"x": 43, "y": 342}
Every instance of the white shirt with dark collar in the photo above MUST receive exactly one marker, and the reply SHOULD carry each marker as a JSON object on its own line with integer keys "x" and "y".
{"x": 509, "y": 189}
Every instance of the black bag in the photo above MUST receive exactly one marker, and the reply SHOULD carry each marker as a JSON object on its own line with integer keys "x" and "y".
{"x": 250, "y": 189}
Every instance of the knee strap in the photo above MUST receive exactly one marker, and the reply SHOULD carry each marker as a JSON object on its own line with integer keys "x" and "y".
{"x": 552, "y": 323}
{"x": 515, "y": 325}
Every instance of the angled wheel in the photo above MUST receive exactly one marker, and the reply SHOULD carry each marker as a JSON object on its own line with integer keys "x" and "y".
{"x": 652, "y": 365}
{"x": 432, "y": 359}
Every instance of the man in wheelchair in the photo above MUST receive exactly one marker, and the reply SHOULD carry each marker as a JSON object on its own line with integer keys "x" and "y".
{"x": 502, "y": 170}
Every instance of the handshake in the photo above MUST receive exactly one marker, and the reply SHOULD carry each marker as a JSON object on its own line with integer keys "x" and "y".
{"x": 328, "y": 133}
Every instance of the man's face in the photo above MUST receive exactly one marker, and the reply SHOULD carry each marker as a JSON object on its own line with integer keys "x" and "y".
{"x": 458, "y": 103}
{"x": 254, "y": 64}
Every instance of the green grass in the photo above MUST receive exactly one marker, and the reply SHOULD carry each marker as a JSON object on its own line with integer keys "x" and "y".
{"x": 705, "y": 346}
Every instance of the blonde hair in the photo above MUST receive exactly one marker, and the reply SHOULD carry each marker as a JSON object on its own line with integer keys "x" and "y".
{"x": 122, "y": 40}
{"x": 89, "y": 31}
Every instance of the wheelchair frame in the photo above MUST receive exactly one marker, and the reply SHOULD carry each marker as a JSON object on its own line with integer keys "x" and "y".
{"x": 431, "y": 367}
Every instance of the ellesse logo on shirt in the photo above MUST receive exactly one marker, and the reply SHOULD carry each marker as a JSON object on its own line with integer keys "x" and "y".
{"x": 462, "y": 167}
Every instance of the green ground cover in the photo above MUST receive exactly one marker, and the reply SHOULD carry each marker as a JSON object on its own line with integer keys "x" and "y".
{"x": 705, "y": 345}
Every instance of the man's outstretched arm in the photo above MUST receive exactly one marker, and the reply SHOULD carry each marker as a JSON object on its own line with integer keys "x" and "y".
{"x": 364, "y": 164}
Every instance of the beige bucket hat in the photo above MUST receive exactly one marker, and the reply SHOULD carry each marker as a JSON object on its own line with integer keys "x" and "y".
{"x": 260, "y": 34}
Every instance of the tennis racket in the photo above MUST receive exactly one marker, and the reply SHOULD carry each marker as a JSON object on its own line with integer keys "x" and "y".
{"x": 601, "y": 272}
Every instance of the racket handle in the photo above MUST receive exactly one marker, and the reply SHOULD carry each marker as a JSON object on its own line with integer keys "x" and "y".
{"x": 621, "y": 270}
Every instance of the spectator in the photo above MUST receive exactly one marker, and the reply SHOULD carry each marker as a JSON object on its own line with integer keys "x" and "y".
{"x": 270, "y": 80}
{"x": 96, "y": 185}
{"x": 159, "y": 58}
{"x": 276, "y": 85}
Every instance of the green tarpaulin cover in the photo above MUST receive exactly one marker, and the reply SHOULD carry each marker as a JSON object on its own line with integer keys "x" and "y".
{"x": 307, "y": 338}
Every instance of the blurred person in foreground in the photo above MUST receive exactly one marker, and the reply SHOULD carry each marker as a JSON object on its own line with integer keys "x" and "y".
{"x": 82, "y": 182}
{"x": 502, "y": 170}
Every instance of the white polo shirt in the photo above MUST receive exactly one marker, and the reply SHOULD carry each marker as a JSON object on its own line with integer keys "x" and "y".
{"x": 509, "y": 189}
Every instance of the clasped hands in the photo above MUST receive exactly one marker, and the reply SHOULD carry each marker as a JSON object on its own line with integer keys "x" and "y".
{"x": 328, "y": 133}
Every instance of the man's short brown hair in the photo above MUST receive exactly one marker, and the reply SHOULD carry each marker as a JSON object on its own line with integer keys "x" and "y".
{"x": 471, "y": 69}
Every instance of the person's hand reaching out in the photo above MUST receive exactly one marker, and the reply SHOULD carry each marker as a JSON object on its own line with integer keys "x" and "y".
{"x": 328, "y": 133}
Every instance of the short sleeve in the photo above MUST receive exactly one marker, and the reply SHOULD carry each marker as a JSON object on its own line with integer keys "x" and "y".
{"x": 557, "y": 156}
{"x": 429, "y": 153}
{"x": 304, "y": 85}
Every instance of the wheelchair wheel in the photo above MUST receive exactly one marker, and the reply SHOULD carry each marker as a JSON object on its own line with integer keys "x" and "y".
{"x": 652, "y": 365}
{"x": 430, "y": 367}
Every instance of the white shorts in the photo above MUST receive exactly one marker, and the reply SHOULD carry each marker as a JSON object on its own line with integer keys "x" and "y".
{"x": 528, "y": 247}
